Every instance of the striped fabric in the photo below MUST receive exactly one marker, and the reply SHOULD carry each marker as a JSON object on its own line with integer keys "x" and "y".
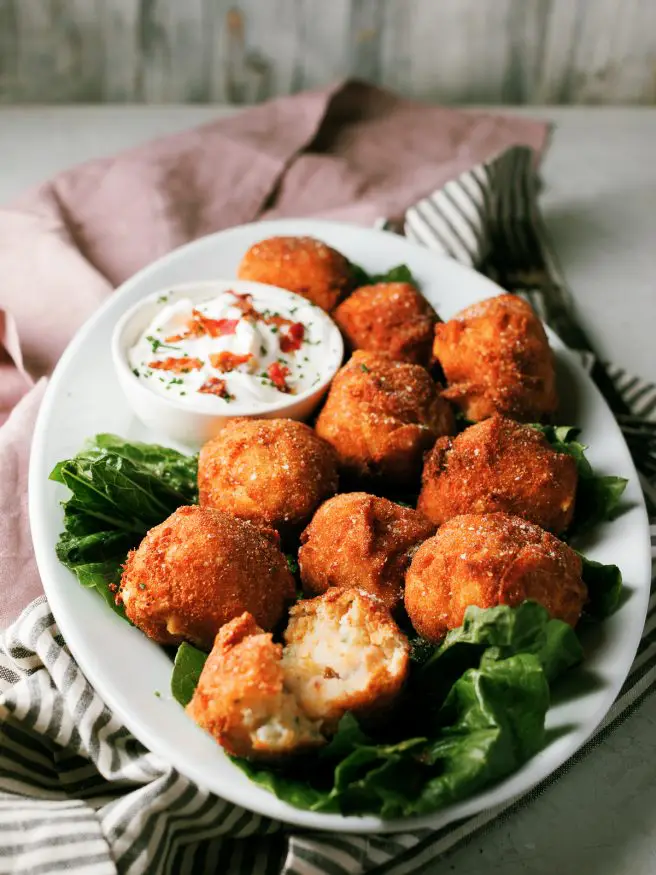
{"x": 79, "y": 794}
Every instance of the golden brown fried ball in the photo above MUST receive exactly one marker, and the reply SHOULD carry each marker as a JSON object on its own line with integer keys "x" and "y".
{"x": 303, "y": 265}
{"x": 360, "y": 541}
{"x": 272, "y": 471}
{"x": 242, "y": 698}
{"x": 496, "y": 359}
{"x": 487, "y": 560}
{"x": 392, "y": 318}
{"x": 381, "y": 416}
{"x": 199, "y": 569}
{"x": 499, "y": 465}
{"x": 344, "y": 652}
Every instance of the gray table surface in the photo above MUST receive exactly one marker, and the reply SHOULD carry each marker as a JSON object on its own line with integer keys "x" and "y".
{"x": 600, "y": 209}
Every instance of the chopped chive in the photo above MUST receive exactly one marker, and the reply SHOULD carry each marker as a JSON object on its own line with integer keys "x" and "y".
{"x": 156, "y": 344}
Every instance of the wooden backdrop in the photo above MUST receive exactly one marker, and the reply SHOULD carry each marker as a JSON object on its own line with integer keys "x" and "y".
{"x": 476, "y": 51}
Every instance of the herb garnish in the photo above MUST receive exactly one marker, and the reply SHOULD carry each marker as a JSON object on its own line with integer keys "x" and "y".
{"x": 157, "y": 344}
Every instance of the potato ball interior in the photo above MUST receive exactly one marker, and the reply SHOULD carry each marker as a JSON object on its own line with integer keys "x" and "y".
{"x": 242, "y": 700}
{"x": 343, "y": 653}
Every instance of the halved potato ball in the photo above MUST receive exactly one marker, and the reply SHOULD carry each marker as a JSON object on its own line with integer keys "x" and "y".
{"x": 199, "y": 569}
{"x": 242, "y": 697}
{"x": 381, "y": 416}
{"x": 344, "y": 652}
{"x": 499, "y": 465}
{"x": 303, "y": 265}
{"x": 487, "y": 560}
{"x": 496, "y": 359}
{"x": 392, "y": 318}
{"x": 274, "y": 472}
{"x": 360, "y": 541}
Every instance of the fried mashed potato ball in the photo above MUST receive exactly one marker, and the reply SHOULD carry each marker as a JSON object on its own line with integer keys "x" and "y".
{"x": 303, "y": 265}
{"x": 199, "y": 569}
{"x": 274, "y": 472}
{"x": 381, "y": 416}
{"x": 242, "y": 697}
{"x": 487, "y": 560}
{"x": 392, "y": 318}
{"x": 344, "y": 652}
{"x": 496, "y": 359}
{"x": 360, "y": 541}
{"x": 499, "y": 465}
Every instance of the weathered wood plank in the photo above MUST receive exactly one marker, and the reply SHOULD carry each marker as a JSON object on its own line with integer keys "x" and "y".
{"x": 599, "y": 53}
{"x": 367, "y": 23}
{"x": 9, "y": 82}
{"x": 258, "y": 47}
{"x": 57, "y": 53}
{"x": 466, "y": 51}
{"x": 242, "y": 51}
{"x": 118, "y": 25}
{"x": 323, "y": 47}
{"x": 170, "y": 47}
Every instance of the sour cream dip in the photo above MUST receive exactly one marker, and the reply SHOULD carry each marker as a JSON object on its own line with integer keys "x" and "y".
{"x": 235, "y": 349}
{"x": 193, "y": 355}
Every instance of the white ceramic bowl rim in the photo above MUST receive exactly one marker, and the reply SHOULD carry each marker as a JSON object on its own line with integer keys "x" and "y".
{"x": 120, "y": 348}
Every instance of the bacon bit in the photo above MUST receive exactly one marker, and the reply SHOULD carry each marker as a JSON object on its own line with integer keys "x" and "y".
{"x": 215, "y": 327}
{"x": 277, "y": 320}
{"x": 277, "y": 374}
{"x": 199, "y": 325}
{"x": 216, "y": 386}
{"x": 245, "y": 304}
{"x": 195, "y": 330}
{"x": 292, "y": 340}
{"x": 226, "y": 361}
{"x": 178, "y": 366}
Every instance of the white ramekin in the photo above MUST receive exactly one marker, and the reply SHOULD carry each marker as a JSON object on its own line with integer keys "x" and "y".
{"x": 179, "y": 420}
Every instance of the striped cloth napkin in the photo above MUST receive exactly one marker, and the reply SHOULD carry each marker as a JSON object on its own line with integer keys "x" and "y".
{"x": 79, "y": 794}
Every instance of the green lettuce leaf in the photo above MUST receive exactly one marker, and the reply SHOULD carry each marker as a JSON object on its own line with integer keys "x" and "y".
{"x": 503, "y": 631}
{"x": 597, "y": 497}
{"x": 491, "y": 722}
{"x": 479, "y": 703}
{"x": 604, "y": 583}
{"x": 177, "y": 470}
{"x": 188, "y": 665}
{"x": 399, "y": 274}
{"x": 119, "y": 490}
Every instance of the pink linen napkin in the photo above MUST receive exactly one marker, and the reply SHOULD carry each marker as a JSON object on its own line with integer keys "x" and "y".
{"x": 351, "y": 152}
